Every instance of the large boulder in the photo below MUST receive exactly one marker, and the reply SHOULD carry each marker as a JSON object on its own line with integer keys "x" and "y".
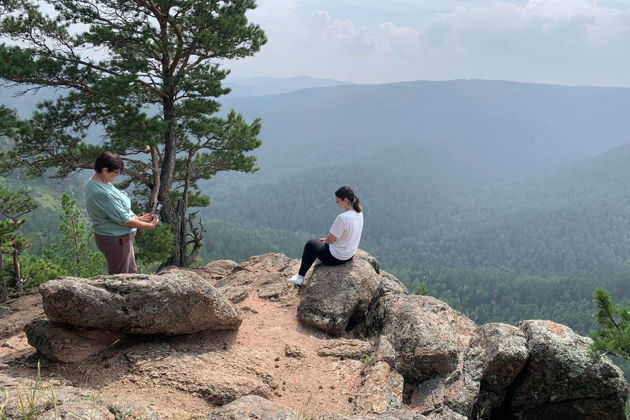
{"x": 67, "y": 343}
{"x": 173, "y": 302}
{"x": 380, "y": 390}
{"x": 425, "y": 334}
{"x": 505, "y": 355}
{"x": 260, "y": 269}
{"x": 391, "y": 285}
{"x": 268, "y": 263}
{"x": 564, "y": 379}
{"x": 218, "y": 269}
{"x": 337, "y": 297}
{"x": 252, "y": 407}
{"x": 436, "y": 349}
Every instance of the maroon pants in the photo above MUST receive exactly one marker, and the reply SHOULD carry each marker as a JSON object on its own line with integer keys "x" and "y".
{"x": 118, "y": 252}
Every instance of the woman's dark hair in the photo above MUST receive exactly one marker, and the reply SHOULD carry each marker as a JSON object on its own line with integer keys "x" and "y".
{"x": 346, "y": 192}
{"x": 110, "y": 160}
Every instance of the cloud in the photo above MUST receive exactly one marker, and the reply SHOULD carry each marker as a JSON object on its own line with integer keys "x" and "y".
{"x": 399, "y": 39}
{"x": 545, "y": 40}
{"x": 555, "y": 41}
{"x": 341, "y": 34}
{"x": 558, "y": 22}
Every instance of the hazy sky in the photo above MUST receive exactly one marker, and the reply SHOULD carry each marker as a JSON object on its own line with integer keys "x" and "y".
{"x": 575, "y": 42}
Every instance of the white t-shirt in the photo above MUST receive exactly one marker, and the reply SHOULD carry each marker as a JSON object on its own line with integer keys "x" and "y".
{"x": 347, "y": 228}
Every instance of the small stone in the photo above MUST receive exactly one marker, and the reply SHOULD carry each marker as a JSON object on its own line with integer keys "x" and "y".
{"x": 344, "y": 348}
{"x": 332, "y": 387}
{"x": 277, "y": 359}
{"x": 321, "y": 387}
{"x": 9, "y": 345}
{"x": 293, "y": 351}
{"x": 234, "y": 294}
{"x": 248, "y": 309}
{"x": 350, "y": 399}
{"x": 277, "y": 366}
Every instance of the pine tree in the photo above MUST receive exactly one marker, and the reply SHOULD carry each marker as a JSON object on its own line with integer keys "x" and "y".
{"x": 13, "y": 206}
{"x": 148, "y": 72}
{"x": 8, "y": 230}
{"x": 614, "y": 334}
{"x": 72, "y": 252}
{"x": 8, "y": 121}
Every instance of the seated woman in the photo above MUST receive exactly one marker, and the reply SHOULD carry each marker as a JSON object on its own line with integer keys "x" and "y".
{"x": 110, "y": 210}
{"x": 343, "y": 240}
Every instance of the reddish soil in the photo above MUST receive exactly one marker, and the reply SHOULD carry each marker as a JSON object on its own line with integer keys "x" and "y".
{"x": 165, "y": 373}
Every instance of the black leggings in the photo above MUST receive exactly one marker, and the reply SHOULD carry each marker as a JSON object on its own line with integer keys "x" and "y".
{"x": 316, "y": 249}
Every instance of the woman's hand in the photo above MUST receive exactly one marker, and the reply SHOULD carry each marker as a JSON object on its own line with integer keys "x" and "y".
{"x": 328, "y": 239}
{"x": 138, "y": 222}
{"x": 146, "y": 217}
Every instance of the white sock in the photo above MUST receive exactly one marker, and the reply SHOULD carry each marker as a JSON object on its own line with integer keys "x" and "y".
{"x": 296, "y": 279}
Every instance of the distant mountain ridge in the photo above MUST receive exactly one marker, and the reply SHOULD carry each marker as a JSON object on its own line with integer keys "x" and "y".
{"x": 524, "y": 126}
{"x": 261, "y": 86}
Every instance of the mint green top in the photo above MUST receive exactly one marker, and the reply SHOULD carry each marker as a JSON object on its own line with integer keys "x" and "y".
{"x": 109, "y": 208}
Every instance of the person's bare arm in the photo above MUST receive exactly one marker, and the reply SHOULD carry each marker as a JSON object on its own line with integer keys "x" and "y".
{"x": 139, "y": 223}
{"x": 328, "y": 239}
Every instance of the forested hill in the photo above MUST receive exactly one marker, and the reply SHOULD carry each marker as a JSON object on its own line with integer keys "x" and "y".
{"x": 463, "y": 173}
{"x": 508, "y": 200}
{"x": 508, "y": 127}
{"x": 487, "y": 192}
{"x": 563, "y": 220}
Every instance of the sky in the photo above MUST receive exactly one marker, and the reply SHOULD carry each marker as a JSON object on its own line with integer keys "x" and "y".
{"x": 568, "y": 42}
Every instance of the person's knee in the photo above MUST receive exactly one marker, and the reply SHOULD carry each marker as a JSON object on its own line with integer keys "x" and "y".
{"x": 312, "y": 244}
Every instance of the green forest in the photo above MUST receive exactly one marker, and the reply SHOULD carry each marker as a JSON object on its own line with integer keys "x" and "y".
{"x": 502, "y": 210}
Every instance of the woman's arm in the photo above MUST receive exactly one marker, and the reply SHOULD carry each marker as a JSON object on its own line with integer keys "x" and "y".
{"x": 329, "y": 239}
{"x": 138, "y": 222}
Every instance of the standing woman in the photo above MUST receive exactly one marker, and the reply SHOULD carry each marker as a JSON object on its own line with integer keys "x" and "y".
{"x": 343, "y": 240}
{"x": 110, "y": 210}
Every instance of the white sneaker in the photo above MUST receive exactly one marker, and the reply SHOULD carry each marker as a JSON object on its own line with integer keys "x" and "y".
{"x": 296, "y": 279}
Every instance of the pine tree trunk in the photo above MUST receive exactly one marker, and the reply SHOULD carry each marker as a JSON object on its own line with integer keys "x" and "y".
{"x": 17, "y": 271}
{"x": 155, "y": 188}
{"x": 4, "y": 289}
{"x": 180, "y": 234}
{"x": 171, "y": 214}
